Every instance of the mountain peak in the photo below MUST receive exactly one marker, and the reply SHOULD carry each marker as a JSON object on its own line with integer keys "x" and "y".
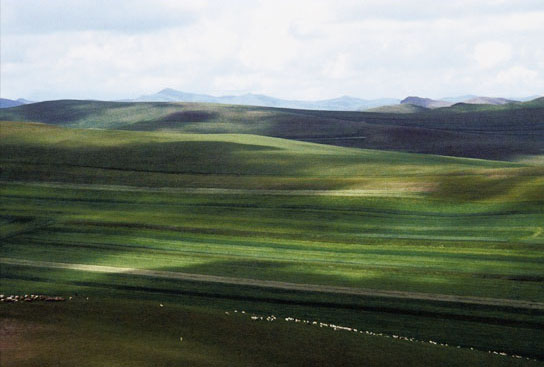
{"x": 169, "y": 91}
{"x": 425, "y": 102}
{"x": 6, "y": 103}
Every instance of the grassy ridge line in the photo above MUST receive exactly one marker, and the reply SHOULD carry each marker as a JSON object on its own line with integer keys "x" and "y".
{"x": 279, "y": 285}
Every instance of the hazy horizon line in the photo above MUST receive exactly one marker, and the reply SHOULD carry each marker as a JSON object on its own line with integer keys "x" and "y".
{"x": 271, "y": 95}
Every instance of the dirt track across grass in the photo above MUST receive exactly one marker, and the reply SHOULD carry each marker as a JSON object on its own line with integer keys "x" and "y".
{"x": 279, "y": 285}
{"x": 405, "y": 191}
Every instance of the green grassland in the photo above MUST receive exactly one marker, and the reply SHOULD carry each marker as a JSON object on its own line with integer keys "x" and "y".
{"x": 264, "y": 208}
{"x": 479, "y": 131}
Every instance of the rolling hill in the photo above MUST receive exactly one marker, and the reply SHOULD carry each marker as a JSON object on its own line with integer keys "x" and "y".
{"x": 239, "y": 156}
{"x": 465, "y": 130}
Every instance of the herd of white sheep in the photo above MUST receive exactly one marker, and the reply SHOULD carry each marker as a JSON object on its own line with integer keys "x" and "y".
{"x": 272, "y": 318}
{"x": 29, "y": 298}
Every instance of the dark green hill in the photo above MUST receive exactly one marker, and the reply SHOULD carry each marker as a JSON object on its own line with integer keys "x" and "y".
{"x": 481, "y": 131}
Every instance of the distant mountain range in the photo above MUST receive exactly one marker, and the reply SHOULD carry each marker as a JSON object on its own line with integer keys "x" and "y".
{"x": 6, "y": 103}
{"x": 425, "y": 102}
{"x": 344, "y": 103}
{"x": 447, "y": 102}
{"x": 398, "y": 108}
{"x": 490, "y": 100}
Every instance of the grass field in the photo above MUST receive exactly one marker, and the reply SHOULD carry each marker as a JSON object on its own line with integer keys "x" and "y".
{"x": 255, "y": 207}
{"x": 46, "y": 335}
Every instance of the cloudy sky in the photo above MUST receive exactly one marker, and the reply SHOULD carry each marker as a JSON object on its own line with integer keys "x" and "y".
{"x": 309, "y": 49}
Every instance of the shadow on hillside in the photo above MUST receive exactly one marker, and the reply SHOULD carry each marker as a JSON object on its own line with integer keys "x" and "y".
{"x": 495, "y": 134}
{"x": 174, "y": 120}
{"x": 196, "y": 157}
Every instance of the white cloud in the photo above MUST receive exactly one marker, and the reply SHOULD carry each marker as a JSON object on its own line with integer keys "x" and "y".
{"x": 489, "y": 54}
{"x": 518, "y": 79}
{"x": 304, "y": 49}
{"x": 339, "y": 67}
{"x": 516, "y": 75}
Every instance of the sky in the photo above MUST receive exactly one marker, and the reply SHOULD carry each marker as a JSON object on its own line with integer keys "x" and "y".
{"x": 295, "y": 49}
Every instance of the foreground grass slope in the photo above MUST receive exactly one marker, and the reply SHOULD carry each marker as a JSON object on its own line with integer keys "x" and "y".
{"x": 107, "y": 331}
{"x": 256, "y": 207}
{"x": 492, "y": 132}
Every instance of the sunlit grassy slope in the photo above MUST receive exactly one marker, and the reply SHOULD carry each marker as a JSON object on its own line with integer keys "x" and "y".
{"x": 29, "y": 151}
{"x": 402, "y": 221}
{"x": 495, "y": 132}
{"x": 265, "y": 208}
